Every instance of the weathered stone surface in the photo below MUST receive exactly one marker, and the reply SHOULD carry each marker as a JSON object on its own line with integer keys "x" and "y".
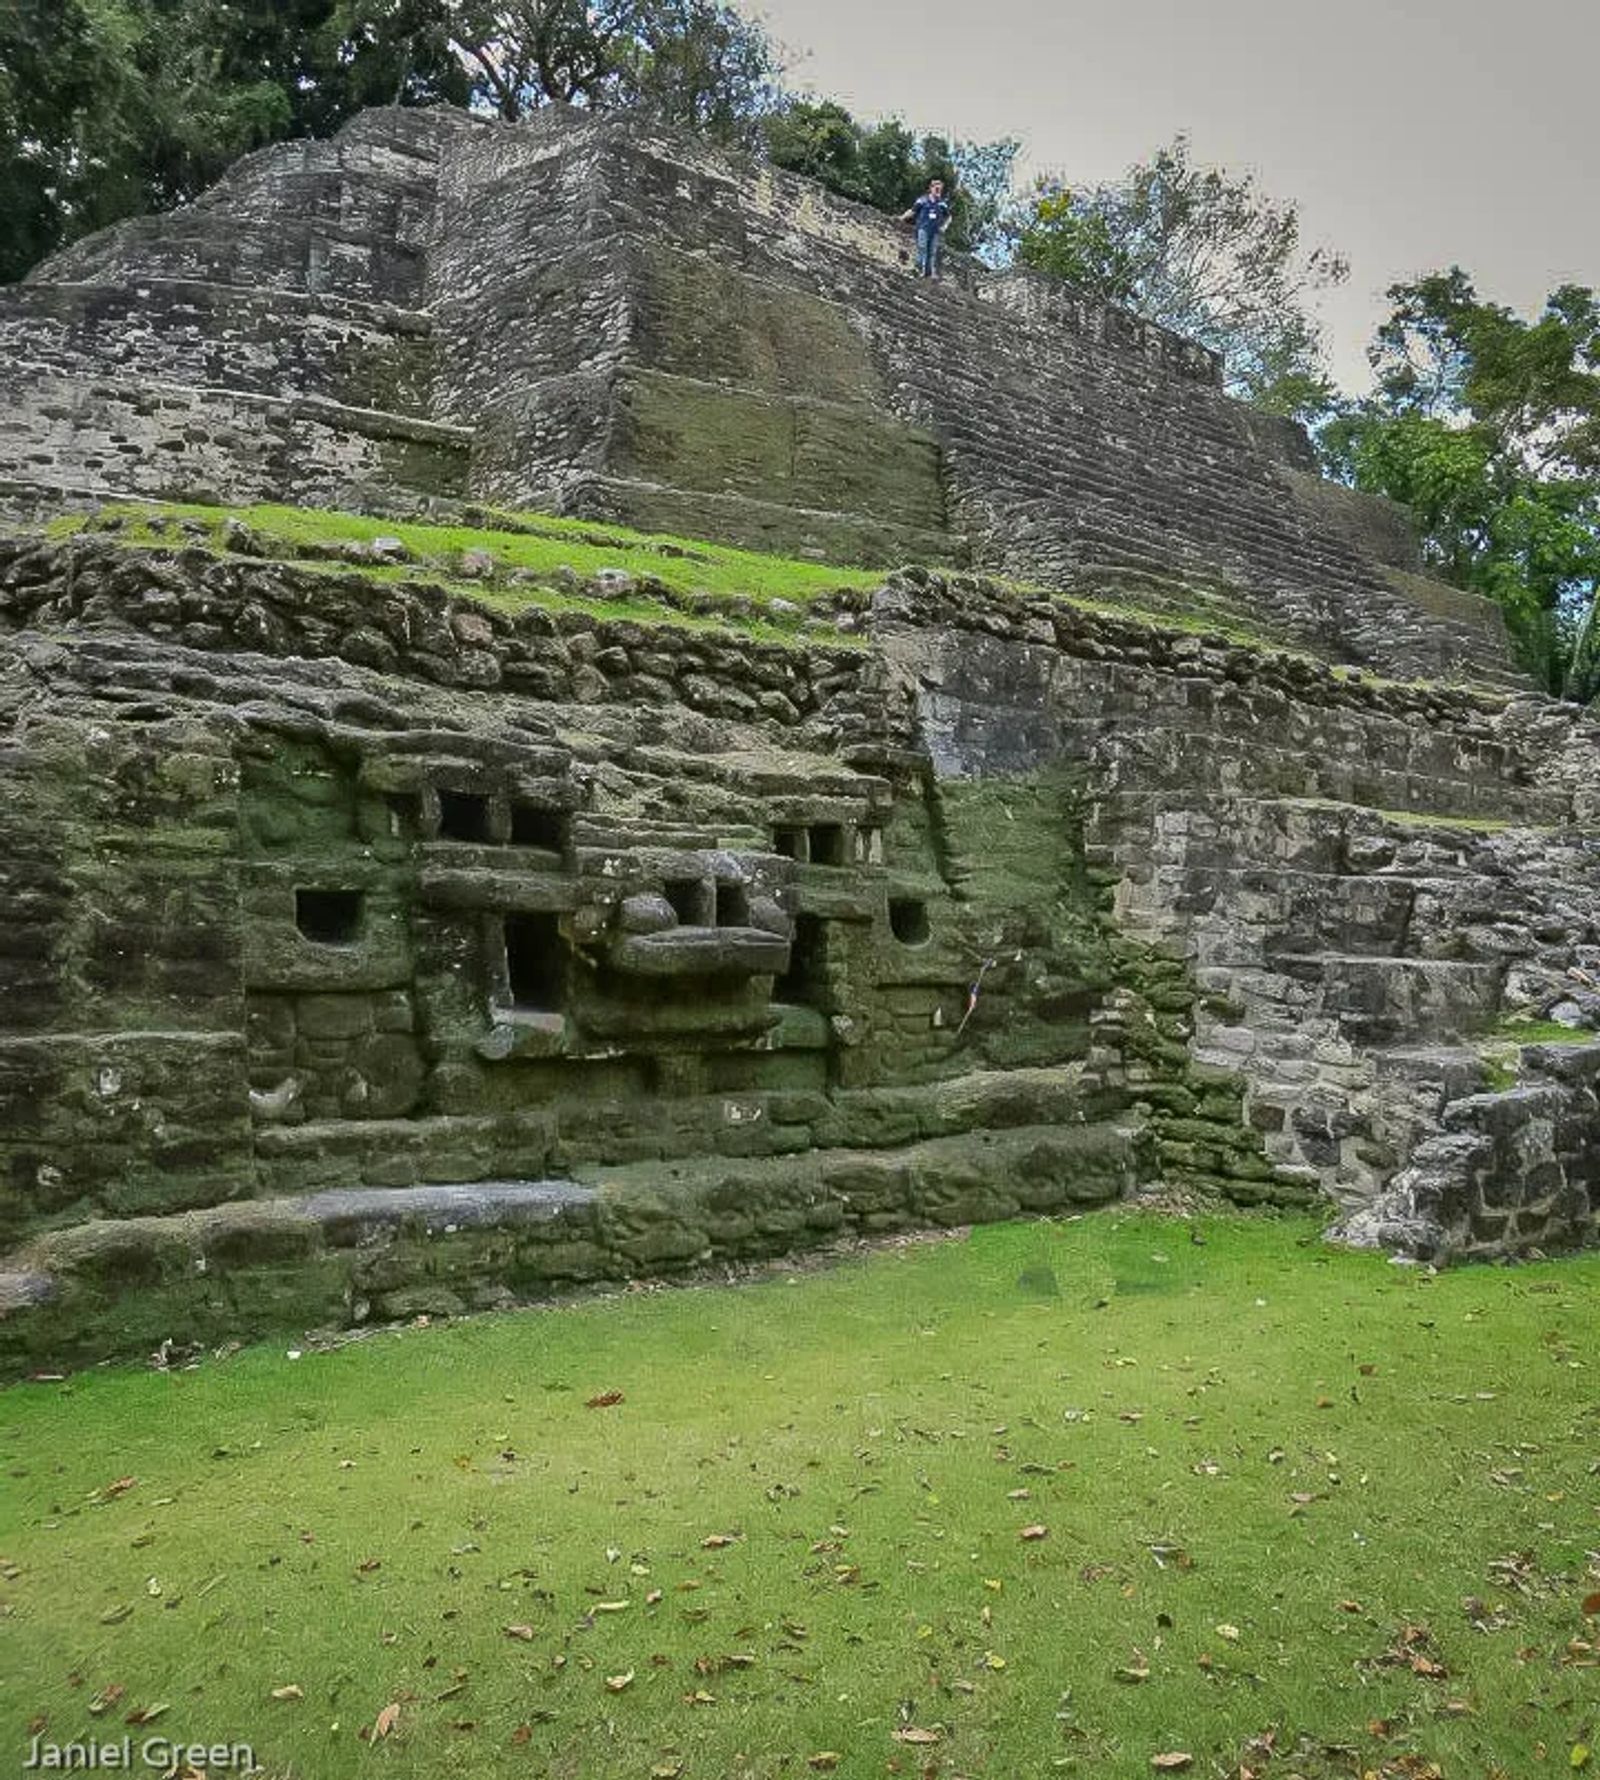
{"x": 618, "y": 321}
{"x": 346, "y": 921}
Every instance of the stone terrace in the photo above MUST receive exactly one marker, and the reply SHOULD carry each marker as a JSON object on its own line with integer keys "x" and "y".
{"x": 593, "y": 317}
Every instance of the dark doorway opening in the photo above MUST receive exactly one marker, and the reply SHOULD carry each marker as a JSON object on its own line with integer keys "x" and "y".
{"x": 463, "y": 816}
{"x": 329, "y": 917}
{"x": 789, "y": 842}
{"x": 733, "y": 905}
{"x": 827, "y": 843}
{"x": 535, "y": 825}
{"x": 908, "y": 920}
{"x": 805, "y": 982}
{"x": 535, "y": 963}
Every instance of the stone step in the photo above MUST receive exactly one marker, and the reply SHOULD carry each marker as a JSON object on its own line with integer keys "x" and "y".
{"x": 277, "y": 1267}
{"x": 138, "y": 439}
{"x": 1385, "y": 1000}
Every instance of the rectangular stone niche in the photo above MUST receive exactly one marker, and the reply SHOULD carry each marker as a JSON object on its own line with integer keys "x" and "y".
{"x": 534, "y": 825}
{"x": 463, "y": 816}
{"x": 805, "y": 982}
{"x": 329, "y": 917}
{"x": 827, "y": 843}
{"x": 693, "y": 900}
{"x": 536, "y": 966}
{"x": 733, "y": 905}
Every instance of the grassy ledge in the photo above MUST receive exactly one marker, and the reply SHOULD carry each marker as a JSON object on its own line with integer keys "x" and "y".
{"x": 516, "y": 560}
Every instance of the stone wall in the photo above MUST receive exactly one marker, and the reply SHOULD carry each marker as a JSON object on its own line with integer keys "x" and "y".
{"x": 1365, "y": 878}
{"x": 625, "y": 323}
{"x": 81, "y": 440}
{"x": 486, "y": 896}
{"x": 1509, "y": 1172}
{"x": 321, "y": 884}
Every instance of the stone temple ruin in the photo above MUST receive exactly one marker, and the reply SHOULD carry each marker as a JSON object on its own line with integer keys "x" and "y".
{"x": 376, "y": 942}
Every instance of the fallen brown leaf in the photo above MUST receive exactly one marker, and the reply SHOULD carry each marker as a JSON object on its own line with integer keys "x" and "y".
{"x": 386, "y": 1721}
{"x": 291, "y": 1692}
{"x": 1034, "y": 1532}
{"x": 1173, "y": 1762}
{"x": 605, "y": 1400}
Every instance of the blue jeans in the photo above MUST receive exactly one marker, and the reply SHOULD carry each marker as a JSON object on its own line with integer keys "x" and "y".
{"x": 928, "y": 244}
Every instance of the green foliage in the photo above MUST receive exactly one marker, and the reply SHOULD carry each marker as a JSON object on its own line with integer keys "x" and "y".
{"x": 698, "y": 64}
{"x": 1199, "y": 250}
{"x": 1488, "y": 426}
{"x": 110, "y": 108}
{"x": 886, "y": 165}
{"x": 809, "y": 1489}
{"x": 530, "y": 559}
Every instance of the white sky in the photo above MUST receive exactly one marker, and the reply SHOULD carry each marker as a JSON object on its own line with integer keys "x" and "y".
{"x": 1413, "y": 133}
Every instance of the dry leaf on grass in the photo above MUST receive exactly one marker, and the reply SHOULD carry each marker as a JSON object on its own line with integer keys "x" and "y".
{"x": 605, "y": 1400}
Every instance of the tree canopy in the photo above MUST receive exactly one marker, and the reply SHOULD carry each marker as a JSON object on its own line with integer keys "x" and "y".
{"x": 695, "y": 63}
{"x": 1487, "y": 425}
{"x": 1199, "y": 250}
{"x": 886, "y": 165}
{"x": 113, "y": 107}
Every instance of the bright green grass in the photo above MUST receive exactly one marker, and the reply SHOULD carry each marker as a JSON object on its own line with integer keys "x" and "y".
{"x": 735, "y": 586}
{"x": 1543, "y": 1032}
{"x": 539, "y": 543}
{"x": 1197, "y": 1426}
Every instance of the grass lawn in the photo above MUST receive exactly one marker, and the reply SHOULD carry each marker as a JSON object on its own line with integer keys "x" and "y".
{"x": 1048, "y": 1498}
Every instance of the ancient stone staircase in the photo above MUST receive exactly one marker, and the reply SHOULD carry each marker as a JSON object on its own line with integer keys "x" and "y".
{"x": 1352, "y": 959}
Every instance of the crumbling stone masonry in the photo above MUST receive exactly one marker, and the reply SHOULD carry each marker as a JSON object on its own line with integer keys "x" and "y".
{"x": 588, "y": 316}
{"x": 373, "y": 945}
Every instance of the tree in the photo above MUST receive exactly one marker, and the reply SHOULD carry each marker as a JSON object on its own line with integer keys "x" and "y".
{"x": 1202, "y": 251}
{"x": 1487, "y": 426}
{"x": 113, "y": 107}
{"x": 695, "y": 63}
{"x": 886, "y": 165}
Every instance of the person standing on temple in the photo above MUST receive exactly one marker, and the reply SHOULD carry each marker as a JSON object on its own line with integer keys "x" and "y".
{"x": 931, "y": 214}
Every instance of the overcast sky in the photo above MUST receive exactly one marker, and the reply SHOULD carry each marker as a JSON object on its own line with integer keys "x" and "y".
{"x": 1413, "y": 133}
